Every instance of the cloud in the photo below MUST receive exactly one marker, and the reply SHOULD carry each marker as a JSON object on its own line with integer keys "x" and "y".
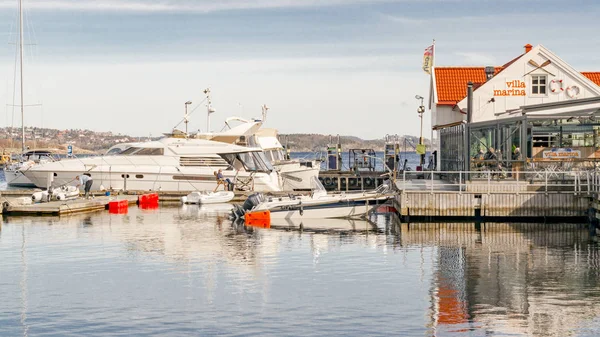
{"x": 402, "y": 19}
{"x": 202, "y": 6}
{"x": 474, "y": 58}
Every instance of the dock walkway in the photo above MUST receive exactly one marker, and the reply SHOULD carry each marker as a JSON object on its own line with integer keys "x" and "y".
{"x": 61, "y": 207}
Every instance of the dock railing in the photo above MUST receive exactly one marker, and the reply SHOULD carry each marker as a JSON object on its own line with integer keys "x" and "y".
{"x": 495, "y": 181}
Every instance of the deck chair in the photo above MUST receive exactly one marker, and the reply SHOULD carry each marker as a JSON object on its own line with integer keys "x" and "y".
{"x": 245, "y": 184}
{"x": 219, "y": 183}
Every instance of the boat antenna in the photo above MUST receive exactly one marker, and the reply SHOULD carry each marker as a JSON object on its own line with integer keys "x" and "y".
{"x": 188, "y": 115}
{"x": 185, "y": 117}
{"x": 265, "y": 108}
{"x": 21, "y": 73}
{"x": 209, "y": 109}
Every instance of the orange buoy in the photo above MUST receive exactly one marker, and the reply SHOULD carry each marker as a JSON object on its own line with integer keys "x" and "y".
{"x": 264, "y": 216}
{"x": 118, "y": 206}
{"x": 148, "y": 199}
{"x": 263, "y": 223}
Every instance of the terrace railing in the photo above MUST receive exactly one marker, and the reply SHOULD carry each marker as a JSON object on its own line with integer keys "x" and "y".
{"x": 498, "y": 181}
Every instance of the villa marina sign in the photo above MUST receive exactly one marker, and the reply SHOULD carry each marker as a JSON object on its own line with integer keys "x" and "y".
{"x": 561, "y": 153}
{"x": 514, "y": 88}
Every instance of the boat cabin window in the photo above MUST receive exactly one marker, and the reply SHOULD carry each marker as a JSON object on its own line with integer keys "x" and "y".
{"x": 145, "y": 151}
{"x": 114, "y": 151}
{"x": 150, "y": 151}
{"x": 129, "y": 151}
{"x": 276, "y": 155}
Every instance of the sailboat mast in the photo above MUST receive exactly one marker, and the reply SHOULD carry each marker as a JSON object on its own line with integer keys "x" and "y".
{"x": 21, "y": 71}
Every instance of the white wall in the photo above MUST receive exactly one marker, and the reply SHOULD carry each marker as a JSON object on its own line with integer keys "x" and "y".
{"x": 443, "y": 114}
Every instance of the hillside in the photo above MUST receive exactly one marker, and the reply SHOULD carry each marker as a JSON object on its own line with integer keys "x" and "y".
{"x": 87, "y": 141}
{"x": 308, "y": 142}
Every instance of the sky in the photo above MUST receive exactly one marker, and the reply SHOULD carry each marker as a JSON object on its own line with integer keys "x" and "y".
{"x": 349, "y": 67}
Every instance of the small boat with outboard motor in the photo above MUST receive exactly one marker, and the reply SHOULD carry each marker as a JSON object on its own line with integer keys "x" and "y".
{"x": 319, "y": 204}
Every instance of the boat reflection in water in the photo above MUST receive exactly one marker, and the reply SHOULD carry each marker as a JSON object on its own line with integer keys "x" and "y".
{"x": 190, "y": 269}
{"x": 324, "y": 225}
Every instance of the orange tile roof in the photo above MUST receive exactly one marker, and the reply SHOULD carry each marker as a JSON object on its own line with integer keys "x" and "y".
{"x": 594, "y": 76}
{"x": 451, "y": 82}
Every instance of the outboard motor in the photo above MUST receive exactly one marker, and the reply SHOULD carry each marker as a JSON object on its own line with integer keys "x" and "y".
{"x": 253, "y": 200}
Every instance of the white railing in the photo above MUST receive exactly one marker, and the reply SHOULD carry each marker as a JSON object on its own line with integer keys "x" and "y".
{"x": 578, "y": 182}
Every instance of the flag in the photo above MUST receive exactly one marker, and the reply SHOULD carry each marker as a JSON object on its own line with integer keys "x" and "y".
{"x": 428, "y": 59}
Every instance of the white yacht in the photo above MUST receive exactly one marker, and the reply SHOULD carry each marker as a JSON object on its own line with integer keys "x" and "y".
{"x": 168, "y": 164}
{"x": 13, "y": 173}
{"x": 295, "y": 174}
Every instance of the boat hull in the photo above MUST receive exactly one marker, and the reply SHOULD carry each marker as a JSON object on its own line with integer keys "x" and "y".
{"x": 328, "y": 210}
{"x": 17, "y": 179}
{"x": 145, "y": 177}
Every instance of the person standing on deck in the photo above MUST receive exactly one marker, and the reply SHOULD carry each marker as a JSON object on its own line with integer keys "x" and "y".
{"x": 86, "y": 181}
{"x": 516, "y": 164}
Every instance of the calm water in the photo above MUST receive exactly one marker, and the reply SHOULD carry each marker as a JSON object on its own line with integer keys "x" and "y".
{"x": 189, "y": 271}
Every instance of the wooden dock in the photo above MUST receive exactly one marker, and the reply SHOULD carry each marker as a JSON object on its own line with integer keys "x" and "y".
{"x": 100, "y": 202}
{"x": 61, "y": 207}
{"x": 500, "y": 205}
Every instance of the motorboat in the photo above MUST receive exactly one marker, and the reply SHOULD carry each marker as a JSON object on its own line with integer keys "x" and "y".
{"x": 319, "y": 204}
{"x": 167, "y": 164}
{"x": 204, "y": 197}
{"x": 296, "y": 174}
{"x": 13, "y": 173}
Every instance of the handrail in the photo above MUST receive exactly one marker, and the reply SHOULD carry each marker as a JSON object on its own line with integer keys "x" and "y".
{"x": 578, "y": 182}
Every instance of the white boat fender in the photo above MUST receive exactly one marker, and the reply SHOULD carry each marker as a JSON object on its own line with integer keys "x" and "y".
{"x": 184, "y": 200}
{"x": 40, "y": 196}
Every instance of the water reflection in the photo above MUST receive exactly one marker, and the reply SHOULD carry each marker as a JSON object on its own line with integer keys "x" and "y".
{"x": 510, "y": 279}
{"x": 190, "y": 270}
{"x": 324, "y": 225}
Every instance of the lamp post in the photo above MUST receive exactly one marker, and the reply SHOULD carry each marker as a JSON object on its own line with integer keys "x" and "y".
{"x": 185, "y": 118}
{"x": 420, "y": 111}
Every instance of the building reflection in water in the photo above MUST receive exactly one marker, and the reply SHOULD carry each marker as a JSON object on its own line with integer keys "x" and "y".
{"x": 523, "y": 279}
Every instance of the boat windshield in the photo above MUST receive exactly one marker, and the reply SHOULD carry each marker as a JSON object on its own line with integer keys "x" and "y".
{"x": 251, "y": 161}
{"x": 39, "y": 156}
{"x": 264, "y": 161}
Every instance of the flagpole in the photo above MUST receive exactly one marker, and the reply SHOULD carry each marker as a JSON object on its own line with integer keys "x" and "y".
{"x": 433, "y": 54}
{"x": 431, "y": 97}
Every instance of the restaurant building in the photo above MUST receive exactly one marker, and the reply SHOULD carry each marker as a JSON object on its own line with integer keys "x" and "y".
{"x": 534, "y": 112}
